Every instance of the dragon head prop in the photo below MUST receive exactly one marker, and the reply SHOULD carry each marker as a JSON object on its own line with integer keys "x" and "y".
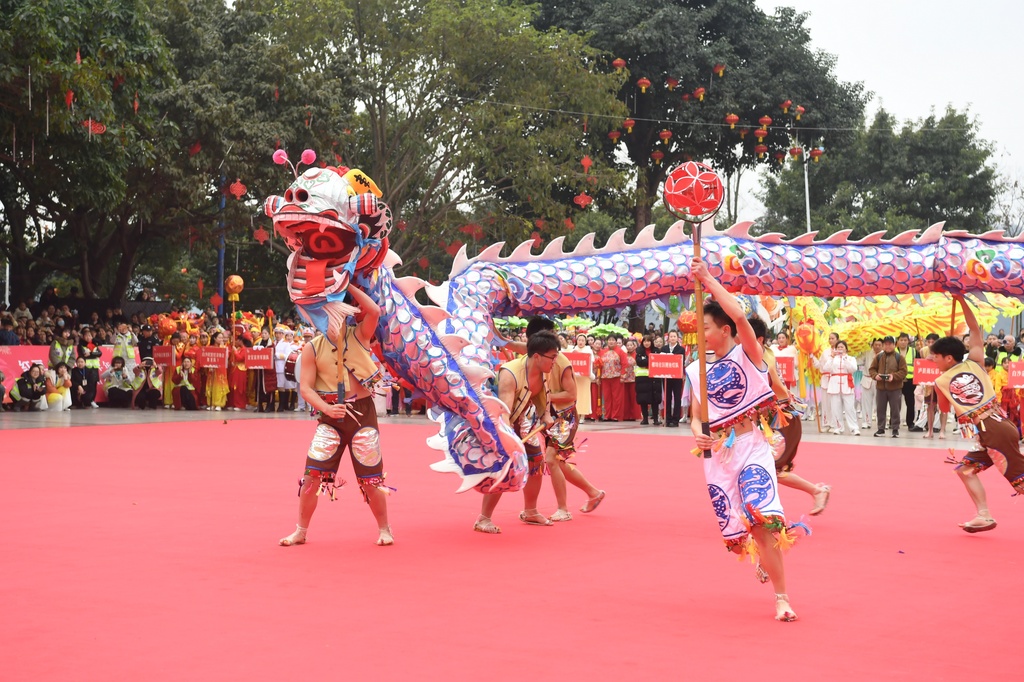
{"x": 336, "y": 227}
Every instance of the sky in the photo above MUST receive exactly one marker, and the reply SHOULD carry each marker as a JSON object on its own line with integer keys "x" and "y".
{"x": 917, "y": 57}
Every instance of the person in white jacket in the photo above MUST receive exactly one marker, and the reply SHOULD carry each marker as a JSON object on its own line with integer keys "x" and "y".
{"x": 842, "y": 409}
{"x": 867, "y": 384}
{"x": 822, "y": 363}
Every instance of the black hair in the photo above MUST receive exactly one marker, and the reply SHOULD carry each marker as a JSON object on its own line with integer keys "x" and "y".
{"x": 542, "y": 342}
{"x": 990, "y": 362}
{"x": 932, "y": 337}
{"x": 903, "y": 335}
{"x": 760, "y": 328}
{"x": 715, "y": 311}
{"x": 539, "y": 324}
{"x": 951, "y": 346}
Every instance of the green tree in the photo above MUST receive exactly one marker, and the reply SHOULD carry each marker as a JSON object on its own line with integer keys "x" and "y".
{"x": 676, "y": 45}
{"x": 891, "y": 177}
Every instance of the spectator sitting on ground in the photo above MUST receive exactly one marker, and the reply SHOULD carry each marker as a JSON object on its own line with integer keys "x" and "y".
{"x": 58, "y": 387}
{"x": 118, "y": 383}
{"x": 29, "y": 392}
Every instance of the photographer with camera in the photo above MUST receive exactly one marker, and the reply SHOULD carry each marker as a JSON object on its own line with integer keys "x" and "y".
{"x": 148, "y": 385}
{"x": 888, "y": 370}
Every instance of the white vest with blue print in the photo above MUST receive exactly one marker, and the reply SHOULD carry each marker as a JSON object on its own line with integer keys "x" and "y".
{"x": 735, "y": 385}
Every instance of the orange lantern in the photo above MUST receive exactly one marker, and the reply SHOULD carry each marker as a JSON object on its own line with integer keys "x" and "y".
{"x": 665, "y": 136}
{"x": 807, "y": 337}
{"x": 233, "y": 285}
{"x": 799, "y": 111}
{"x": 699, "y": 93}
{"x": 619, "y": 64}
{"x": 687, "y": 322}
{"x": 719, "y": 70}
{"x": 671, "y": 83}
{"x": 732, "y": 120}
{"x": 644, "y": 84}
{"x": 628, "y": 124}
{"x": 786, "y": 105}
{"x": 657, "y": 155}
{"x": 761, "y": 150}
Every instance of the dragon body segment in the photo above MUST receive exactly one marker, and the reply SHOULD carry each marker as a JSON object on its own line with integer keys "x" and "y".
{"x": 333, "y": 221}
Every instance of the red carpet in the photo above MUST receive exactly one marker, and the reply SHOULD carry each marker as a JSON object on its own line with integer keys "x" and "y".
{"x": 122, "y": 565}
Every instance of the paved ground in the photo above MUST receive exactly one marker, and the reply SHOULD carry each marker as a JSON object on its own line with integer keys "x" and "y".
{"x": 110, "y": 416}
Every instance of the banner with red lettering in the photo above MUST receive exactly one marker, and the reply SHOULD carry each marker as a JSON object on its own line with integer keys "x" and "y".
{"x": 925, "y": 372}
{"x": 1016, "y": 375}
{"x": 259, "y": 358}
{"x": 14, "y": 360}
{"x": 213, "y": 357}
{"x": 787, "y": 369}
{"x": 665, "y": 366}
{"x": 165, "y": 356}
{"x": 580, "y": 362}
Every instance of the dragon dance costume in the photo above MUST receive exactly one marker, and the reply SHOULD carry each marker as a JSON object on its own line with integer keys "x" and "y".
{"x": 359, "y": 433}
{"x": 740, "y": 474}
{"x": 562, "y": 434}
{"x": 526, "y": 410}
{"x": 969, "y": 390}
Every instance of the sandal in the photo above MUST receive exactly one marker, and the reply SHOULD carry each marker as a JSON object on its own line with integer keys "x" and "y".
{"x": 531, "y": 519}
{"x": 593, "y": 503}
{"x": 989, "y": 524}
{"x": 561, "y": 515}
{"x": 787, "y": 615}
{"x": 762, "y": 575}
{"x": 483, "y": 525}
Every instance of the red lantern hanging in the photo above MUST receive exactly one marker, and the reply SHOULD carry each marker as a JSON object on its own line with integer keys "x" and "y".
{"x": 569, "y": 224}
{"x": 786, "y": 105}
{"x": 69, "y": 97}
{"x": 78, "y": 56}
{"x": 216, "y": 300}
{"x": 586, "y": 163}
{"x": 743, "y": 132}
{"x": 761, "y": 133}
{"x": 582, "y": 200}
{"x": 665, "y": 136}
{"x": 795, "y": 151}
{"x": 799, "y": 111}
{"x": 765, "y": 121}
{"x": 614, "y": 135}
{"x": 644, "y": 84}
{"x": 732, "y": 120}
{"x": 195, "y": 148}
{"x": 94, "y": 127}
{"x": 719, "y": 70}
{"x": 135, "y": 103}
{"x": 537, "y": 241}
{"x": 816, "y": 153}
{"x": 260, "y": 235}
{"x": 761, "y": 150}
{"x": 657, "y": 155}
{"x": 237, "y": 189}
{"x": 671, "y": 83}
{"x": 200, "y": 285}
{"x": 687, "y": 97}
{"x": 424, "y": 263}
{"x": 539, "y": 223}
{"x": 619, "y": 64}
{"x": 699, "y": 94}
{"x": 628, "y": 124}
{"x": 779, "y": 156}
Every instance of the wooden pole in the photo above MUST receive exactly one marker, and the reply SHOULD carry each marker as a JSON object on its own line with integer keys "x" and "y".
{"x": 952, "y": 319}
{"x": 702, "y": 367}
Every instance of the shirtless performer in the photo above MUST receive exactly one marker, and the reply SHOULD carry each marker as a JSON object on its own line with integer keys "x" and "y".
{"x": 561, "y": 436}
{"x": 522, "y": 387}
{"x": 350, "y": 422}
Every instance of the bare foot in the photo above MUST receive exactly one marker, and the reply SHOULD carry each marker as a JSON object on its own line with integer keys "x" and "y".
{"x": 783, "y": 611}
{"x": 979, "y": 524}
{"x": 928, "y": 435}
{"x": 942, "y": 435}
{"x": 298, "y": 537}
{"x": 385, "y": 538}
{"x": 485, "y": 525}
{"x": 821, "y": 499}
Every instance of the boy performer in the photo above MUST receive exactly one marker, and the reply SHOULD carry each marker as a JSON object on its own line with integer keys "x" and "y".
{"x": 741, "y": 471}
{"x": 964, "y": 384}
{"x": 522, "y": 387}
{"x": 349, "y": 422}
{"x": 789, "y": 426}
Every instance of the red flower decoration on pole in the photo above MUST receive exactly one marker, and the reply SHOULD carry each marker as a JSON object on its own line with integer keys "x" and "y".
{"x": 261, "y": 235}
{"x": 693, "y": 192}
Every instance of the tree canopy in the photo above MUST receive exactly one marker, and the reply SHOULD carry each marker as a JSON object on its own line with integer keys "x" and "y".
{"x": 892, "y": 177}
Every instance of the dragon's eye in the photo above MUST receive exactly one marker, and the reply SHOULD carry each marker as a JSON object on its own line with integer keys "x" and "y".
{"x": 288, "y": 195}
{"x": 301, "y": 196}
